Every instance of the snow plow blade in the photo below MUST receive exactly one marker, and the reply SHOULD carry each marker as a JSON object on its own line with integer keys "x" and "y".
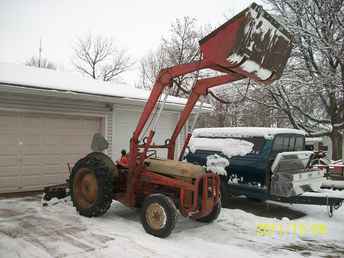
{"x": 252, "y": 43}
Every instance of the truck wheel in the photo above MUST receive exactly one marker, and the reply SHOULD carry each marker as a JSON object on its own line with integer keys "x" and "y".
{"x": 225, "y": 195}
{"x": 158, "y": 215}
{"x": 91, "y": 187}
{"x": 213, "y": 215}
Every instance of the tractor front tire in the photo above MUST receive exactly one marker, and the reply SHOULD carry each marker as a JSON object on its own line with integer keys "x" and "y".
{"x": 213, "y": 215}
{"x": 158, "y": 215}
{"x": 91, "y": 187}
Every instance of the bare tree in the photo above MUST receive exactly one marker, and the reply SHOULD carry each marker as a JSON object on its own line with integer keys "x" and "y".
{"x": 150, "y": 66}
{"x": 96, "y": 56}
{"x": 179, "y": 47}
{"x": 233, "y": 108}
{"x": 40, "y": 62}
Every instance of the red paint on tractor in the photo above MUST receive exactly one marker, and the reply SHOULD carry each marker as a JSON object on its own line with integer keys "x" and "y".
{"x": 231, "y": 40}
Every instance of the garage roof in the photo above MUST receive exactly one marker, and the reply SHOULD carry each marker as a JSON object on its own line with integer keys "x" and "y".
{"x": 68, "y": 82}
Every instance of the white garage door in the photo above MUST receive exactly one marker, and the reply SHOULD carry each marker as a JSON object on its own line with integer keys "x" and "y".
{"x": 125, "y": 124}
{"x": 35, "y": 149}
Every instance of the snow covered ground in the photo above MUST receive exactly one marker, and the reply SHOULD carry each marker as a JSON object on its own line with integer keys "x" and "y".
{"x": 29, "y": 230}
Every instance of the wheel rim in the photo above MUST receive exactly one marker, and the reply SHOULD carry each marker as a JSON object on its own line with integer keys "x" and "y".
{"x": 156, "y": 216}
{"x": 85, "y": 188}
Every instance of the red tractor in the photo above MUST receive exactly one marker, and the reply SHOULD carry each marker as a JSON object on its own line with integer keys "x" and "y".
{"x": 250, "y": 45}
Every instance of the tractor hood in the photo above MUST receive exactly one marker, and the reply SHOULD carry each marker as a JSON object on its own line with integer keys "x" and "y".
{"x": 174, "y": 168}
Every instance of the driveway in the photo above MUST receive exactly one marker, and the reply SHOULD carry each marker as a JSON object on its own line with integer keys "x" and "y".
{"x": 27, "y": 229}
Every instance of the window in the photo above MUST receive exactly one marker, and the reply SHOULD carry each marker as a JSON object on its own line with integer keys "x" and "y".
{"x": 285, "y": 143}
{"x": 288, "y": 143}
{"x": 299, "y": 143}
{"x": 278, "y": 144}
{"x": 258, "y": 143}
{"x": 292, "y": 143}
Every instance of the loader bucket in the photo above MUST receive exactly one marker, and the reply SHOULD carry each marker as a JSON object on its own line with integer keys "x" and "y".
{"x": 252, "y": 43}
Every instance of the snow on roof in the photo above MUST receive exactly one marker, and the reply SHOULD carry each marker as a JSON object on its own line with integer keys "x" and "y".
{"x": 33, "y": 77}
{"x": 242, "y": 132}
{"x": 229, "y": 147}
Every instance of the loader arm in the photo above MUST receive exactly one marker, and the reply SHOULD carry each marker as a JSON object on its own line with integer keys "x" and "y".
{"x": 250, "y": 45}
{"x": 163, "y": 80}
{"x": 137, "y": 158}
{"x": 200, "y": 89}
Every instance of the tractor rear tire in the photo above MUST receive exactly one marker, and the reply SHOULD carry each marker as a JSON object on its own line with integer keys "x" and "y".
{"x": 91, "y": 187}
{"x": 213, "y": 215}
{"x": 158, "y": 215}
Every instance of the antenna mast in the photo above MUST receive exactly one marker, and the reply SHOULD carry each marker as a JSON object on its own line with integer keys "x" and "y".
{"x": 40, "y": 52}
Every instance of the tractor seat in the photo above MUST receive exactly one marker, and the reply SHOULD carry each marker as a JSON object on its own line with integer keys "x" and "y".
{"x": 174, "y": 168}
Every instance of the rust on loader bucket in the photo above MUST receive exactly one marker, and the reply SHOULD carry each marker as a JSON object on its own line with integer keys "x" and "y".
{"x": 252, "y": 43}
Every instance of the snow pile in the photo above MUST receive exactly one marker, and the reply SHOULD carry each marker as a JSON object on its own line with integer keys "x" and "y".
{"x": 235, "y": 58}
{"x": 217, "y": 164}
{"x": 54, "y": 201}
{"x": 229, "y": 147}
{"x": 66, "y": 81}
{"x": 250, "y": 66}
{"x": 254, "y": 68}
{"x": 333, "y": 184}
{"x": 244, "y": 132}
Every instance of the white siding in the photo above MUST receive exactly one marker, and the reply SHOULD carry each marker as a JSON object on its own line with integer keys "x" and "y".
{"x": 108, "y": 128}
{"x": 125, "y": 121}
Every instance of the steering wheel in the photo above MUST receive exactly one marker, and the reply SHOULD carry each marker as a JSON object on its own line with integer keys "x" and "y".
{"x": 151, "y": 153}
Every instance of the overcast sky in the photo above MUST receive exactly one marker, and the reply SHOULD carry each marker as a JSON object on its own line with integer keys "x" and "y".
{"x": 135, "y": 25}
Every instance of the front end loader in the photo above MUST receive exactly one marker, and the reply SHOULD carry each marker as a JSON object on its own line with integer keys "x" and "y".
{"x": 250, "y": 45}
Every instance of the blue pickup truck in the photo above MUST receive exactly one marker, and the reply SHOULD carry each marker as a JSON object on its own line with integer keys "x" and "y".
{"x": 254, "y": 166}
{"x": 263, "y": 163}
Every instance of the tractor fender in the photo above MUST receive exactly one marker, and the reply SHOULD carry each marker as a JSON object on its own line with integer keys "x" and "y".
{"x": 109, "y": 164}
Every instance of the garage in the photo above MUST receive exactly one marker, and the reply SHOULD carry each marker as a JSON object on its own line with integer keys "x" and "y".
{"x": 48, "y": 118}
{"x": 36, "y": 148}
